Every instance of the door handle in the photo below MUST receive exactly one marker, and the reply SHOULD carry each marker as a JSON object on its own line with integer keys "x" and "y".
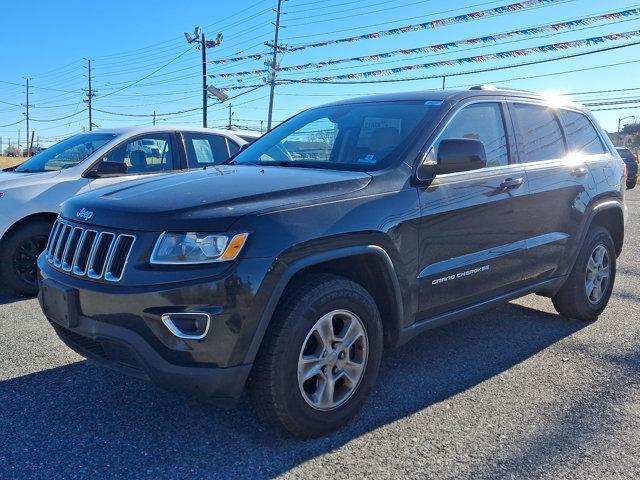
{"x": 511, "y": 183}
{"x": 579, "y": 172}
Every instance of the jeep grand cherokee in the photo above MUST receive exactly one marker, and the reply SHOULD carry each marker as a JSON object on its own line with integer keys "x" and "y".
{"x": 348, "y": 228}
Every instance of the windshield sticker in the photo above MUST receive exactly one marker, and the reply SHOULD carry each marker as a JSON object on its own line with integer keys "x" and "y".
{"x": 370, "y": 159}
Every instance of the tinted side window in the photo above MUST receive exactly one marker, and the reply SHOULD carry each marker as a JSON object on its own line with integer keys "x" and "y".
{"x": 233, "y": 147}
{"x": 582, "y": 137}
{"x": 149, "y": 154}
{"x": 205, "y": 150}
{"x": 538, "y": 133}
{"x": 481, "y": 121}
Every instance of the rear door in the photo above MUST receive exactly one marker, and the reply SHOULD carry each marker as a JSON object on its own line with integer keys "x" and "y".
{"x": 559, "y": 182}
{"x": 207, "y": 149}
{"x": 473, "y": 224}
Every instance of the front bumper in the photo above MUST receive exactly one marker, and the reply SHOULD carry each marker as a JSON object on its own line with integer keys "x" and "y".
{"x": 120, "y": 327}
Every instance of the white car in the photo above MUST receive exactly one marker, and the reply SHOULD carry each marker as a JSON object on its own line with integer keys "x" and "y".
{"x": 31, "y": 193}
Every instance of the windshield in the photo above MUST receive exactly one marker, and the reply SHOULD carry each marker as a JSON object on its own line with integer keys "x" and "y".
{"x": 66, "y": 154}
{"x": 361, "y": 136}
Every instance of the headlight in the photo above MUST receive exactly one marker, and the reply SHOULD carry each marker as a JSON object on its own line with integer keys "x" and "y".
{"x": 196, "y": 247}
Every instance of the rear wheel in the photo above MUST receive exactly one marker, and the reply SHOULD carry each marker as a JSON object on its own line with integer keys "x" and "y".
{"x": 588, "y": 288}
{"x": 319, "y": 358}
{"x": 18, "y": 255}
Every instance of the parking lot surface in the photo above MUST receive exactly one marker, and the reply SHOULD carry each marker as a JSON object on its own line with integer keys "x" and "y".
{"x": 517, "y": 392}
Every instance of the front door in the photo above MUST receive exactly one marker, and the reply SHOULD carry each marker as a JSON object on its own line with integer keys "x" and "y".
{"x": 472, "y": 226}
{"x": 148, "y": 154}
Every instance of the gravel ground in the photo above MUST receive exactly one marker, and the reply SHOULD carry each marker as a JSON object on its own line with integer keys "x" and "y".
{"x": 516, "y": 392}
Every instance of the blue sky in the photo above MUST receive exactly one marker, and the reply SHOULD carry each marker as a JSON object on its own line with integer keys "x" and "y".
{"x": 129, "y": 41}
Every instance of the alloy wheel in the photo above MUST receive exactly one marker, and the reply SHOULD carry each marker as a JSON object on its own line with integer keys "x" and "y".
{"x": 25, "y": 257}
{"x": 597, "y": 274}
{"x": 332, "y": 360}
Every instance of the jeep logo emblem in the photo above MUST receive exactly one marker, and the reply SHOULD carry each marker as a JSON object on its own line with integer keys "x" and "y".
{"x": 84, "y": 214}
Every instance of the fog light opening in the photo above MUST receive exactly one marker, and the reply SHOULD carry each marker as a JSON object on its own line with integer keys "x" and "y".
{"x": 190, "y": 326}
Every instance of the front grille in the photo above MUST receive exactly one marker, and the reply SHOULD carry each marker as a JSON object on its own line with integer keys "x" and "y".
{"x": 88, "y": 252}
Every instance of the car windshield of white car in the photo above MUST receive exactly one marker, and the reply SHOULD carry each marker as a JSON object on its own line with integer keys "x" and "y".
{"x": 68, "y": 153}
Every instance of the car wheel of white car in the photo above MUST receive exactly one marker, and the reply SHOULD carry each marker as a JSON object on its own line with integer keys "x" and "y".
{"x": 18, "y": 255}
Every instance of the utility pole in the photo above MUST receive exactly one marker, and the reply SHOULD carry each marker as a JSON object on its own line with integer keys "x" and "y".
{"x": 274, "y": 65}
{"x": 90, "y": 95}
{"x": 154, "y": 118}
{"x": 203, "y": 48}
{"x": 27, "y": 117}
{"x": 230, "y": 113}
{"x": 444, "y": 80}
{"x": 30, "y": 144}
{"x": 200, "y": 38}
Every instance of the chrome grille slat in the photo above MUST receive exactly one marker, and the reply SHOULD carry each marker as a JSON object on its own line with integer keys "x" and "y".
{"x": 115, "y": 274}
{"x": 74, "y": 262}
{"x": 62, "y": 244}
{"x": 81, "y": 262}
{"x": 69, "y": 249}
{"x": 97, "y": 263}
{"x": 53, "y": 237}
{"x": 81, "y": 251}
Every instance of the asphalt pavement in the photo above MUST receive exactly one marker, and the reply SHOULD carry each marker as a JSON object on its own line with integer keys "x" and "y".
{"x": 517, "y": 392}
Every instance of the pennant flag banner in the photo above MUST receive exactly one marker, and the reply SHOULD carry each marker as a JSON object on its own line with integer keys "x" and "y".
{"x": 491, "y": 12}
{"x": 449, "y": 45}
{"x": 408, "y": 28}
{"x": 255, "y": 56}
{"x": 460, "y": 61}
{"x": 481, "y": 58}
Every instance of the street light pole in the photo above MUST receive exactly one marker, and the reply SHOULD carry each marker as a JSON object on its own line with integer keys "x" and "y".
{"x": 619, "y": 122}
{"x": 200, "y": 37}
{"x": 204, "y": 80}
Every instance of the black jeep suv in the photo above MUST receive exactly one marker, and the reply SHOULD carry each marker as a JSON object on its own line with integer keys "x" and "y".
{"x": 349, "y": 228}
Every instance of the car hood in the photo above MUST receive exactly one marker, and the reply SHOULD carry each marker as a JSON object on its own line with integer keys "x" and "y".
{"x": 16, "y": 179}
{"x": 208, "y": 200}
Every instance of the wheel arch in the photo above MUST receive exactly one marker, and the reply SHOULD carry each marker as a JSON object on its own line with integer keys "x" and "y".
{"x": 44, "y": 216}
{"x": 370, "y": 260}
{"x": 610, "y": 215}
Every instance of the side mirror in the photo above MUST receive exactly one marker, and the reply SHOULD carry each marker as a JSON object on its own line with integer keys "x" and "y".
{"x": 108, "y": 169}
{"x": 460, "y": 155}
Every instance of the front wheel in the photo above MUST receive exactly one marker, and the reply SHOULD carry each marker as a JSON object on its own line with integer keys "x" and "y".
{"x": 588, "y": 288}
{"x": 320, "y": 357}
{"x": 18, "y": 256}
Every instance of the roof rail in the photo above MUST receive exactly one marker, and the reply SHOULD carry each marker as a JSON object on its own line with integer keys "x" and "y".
{"x": 493, "y": 87}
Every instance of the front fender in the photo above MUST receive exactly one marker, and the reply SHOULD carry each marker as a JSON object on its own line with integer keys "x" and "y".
{"x": 285, "y": 271}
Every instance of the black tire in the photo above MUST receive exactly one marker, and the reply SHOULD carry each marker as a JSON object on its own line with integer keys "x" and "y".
{"x": 572, "y": 300}
{"x": 274, "y": 381}
{"x": 631, "y": 183}
{"x": 18, "y": 254}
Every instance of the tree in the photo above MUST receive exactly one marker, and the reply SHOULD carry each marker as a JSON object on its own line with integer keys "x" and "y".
{"x": 631, "y": 129}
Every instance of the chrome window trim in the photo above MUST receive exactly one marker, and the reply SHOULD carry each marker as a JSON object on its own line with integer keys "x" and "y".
{"x": 501, "y": 103}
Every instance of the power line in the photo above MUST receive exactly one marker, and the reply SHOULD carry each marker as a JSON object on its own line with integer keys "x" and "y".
{"x": 557, "y": 28}
{"x": 502, "y": 10}
{"x": 150, "y": 74}
{"x": 502, "y": 67}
